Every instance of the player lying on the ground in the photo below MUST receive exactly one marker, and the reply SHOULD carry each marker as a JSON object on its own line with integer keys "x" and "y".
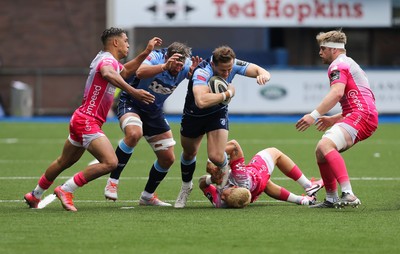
{"x": 248, "y": 181}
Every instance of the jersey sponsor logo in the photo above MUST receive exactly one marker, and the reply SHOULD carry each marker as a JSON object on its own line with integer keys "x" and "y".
{"x": 241, "y": 62}
{"x": 352, "y": 95}
{"x": 111, "y": 90}
{"x": 335, "y": 75}
{"x": 202, "y": 75}
{"x": 357, "y": 120}
{"x": 93, "y": 99}
{"x": 272, "y": 92}
{"x": 160, "y": 89}
{"x": 199, "y": 77}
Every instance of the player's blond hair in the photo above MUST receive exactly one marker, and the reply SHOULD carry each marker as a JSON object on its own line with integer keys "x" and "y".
{"x": 332, "y": 36}
{"x": 238, "y": 198}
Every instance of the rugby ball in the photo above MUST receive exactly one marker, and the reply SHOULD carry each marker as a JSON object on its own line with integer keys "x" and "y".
{"x": 218, "y": 85}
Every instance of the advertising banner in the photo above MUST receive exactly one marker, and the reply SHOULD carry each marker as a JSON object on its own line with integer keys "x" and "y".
{"x": 295, "y": 92}
{"x": 251, "y": 13}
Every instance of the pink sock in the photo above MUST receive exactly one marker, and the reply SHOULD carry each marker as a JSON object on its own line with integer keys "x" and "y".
{"x": 44, "y": 183}
{"x": 79, "y": 179}
{"x": 284, "y": 195}
{"x": 328, "y": 177}
{"x": 338, "y": 166}
{"x": 295, "y": 173}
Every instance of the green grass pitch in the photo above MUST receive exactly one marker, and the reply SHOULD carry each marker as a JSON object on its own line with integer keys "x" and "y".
{"x": 266, "y": 226}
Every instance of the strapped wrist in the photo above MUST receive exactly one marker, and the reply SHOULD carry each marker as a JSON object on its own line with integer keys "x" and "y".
{"x": 223, "y": 96}
{"x": 208, "y": 180}
{"x": 315, "y": 114}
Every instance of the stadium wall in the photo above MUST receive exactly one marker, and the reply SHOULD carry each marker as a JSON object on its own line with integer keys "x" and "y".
{"x": 49, "y": 44}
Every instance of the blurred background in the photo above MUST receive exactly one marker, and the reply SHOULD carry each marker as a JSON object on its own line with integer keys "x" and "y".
{"x": 46, "y": 47}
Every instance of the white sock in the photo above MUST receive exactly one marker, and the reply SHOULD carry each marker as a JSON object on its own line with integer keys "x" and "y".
{"x": 332, "y": 197}
{"x": 147, "y": 195}
{"x": 293, "y": 198}
{"x": 114, "y": 181}
{"x": 346, "y": 187}
{"x": 303, "y": 181}
{"x": 38, "y": 192}
{"x": 187, "y": 185}
{"x": 69, "y": 185}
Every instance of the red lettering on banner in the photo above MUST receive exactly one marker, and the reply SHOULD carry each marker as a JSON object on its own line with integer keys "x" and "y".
{"x": 358, "y": 10}
{"x": 316, "y": 9}
{"x": 299, "y": 10}
{"x": 288, "y": 10}
{"x": 219, "y": 4}
{"x": 236, "y": 9}
{"x": 304, "y": 11}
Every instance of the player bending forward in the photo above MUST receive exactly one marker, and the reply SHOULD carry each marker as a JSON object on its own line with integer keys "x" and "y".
{"x": 248, "y": 181}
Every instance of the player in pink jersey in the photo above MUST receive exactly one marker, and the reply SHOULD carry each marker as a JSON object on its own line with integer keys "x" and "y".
{"x": 106, "y": 73}
{"x": 247, "y": 182}
{"x": 358, "y": 120}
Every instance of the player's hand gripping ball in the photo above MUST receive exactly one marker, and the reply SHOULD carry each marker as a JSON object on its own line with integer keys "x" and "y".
{"x": 219, "y": 85}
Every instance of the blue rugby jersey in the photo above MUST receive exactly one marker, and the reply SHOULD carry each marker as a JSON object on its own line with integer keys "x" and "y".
{"x": 161, "y": 85}
{"x": 201, "y": 75}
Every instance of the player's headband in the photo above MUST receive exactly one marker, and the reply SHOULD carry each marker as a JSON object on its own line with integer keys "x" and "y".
{"x": 336, "y": 45}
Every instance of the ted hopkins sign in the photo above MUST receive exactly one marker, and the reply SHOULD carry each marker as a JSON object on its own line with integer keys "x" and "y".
{"x": 252, "y": 13}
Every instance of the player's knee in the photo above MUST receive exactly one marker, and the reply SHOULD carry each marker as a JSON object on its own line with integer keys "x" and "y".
{"x": 273, "y": 151}
{"x": 166, "y": 161}
{"x": 132, "y": 127}
{"x": 110, "y": 164}
{"x": 132, "y": 138}
{"x": 319, "y": 155}
{"x": 334, "y": 138}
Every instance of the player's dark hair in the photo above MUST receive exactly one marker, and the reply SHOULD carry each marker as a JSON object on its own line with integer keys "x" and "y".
{"x": 111, "y": 32}
{"x": 223, "y": 54}
{"x": 180, "y": 48}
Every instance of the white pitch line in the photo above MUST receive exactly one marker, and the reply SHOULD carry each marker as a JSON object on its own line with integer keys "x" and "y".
{"x": 34, "y": 141}
{"x": 132, "y": 201}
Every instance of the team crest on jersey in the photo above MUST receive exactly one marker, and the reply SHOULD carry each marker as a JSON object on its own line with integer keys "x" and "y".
{"x": 335, "y": 75}
{"x": 240, "y": 62}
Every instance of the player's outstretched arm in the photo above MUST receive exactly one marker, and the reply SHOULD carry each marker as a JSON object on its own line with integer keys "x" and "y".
{"x": 261, "y": 74}
{"x": 233, "y": 150}
{"x": 131, "y": 67}
{"x": 115, "y": 79}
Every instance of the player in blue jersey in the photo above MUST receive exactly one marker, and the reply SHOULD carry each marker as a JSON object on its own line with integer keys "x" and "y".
{"x": 161, "y": 72}
{"x": 204, "y": 113}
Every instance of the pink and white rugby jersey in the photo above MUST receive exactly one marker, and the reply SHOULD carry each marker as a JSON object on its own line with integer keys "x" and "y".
{"x": 254, "y": 176}
{"x": 358, "y": 96}
{"x": 99, "y": 93}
